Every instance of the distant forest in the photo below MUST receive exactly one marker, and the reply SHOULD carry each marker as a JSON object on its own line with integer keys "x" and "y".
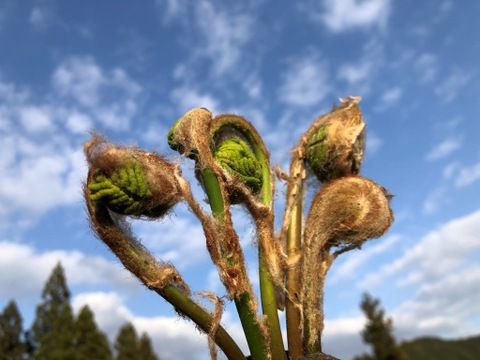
{"x": 438, "y": 349}
{"x": 56, "y": 334}
{"x": 378, "y": 333}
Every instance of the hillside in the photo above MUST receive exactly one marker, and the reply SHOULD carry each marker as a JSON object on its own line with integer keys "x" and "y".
{"x": 438, "y": 349}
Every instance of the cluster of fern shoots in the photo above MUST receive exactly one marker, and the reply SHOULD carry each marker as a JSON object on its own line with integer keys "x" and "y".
{"x": 232, "y": 166}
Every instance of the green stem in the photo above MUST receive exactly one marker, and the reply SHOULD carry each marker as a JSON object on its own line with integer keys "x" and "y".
{"x": 203, "y": 319}
{"x": 146, "y": 268}
{"x": 269, "y": 307}
{"x": 267, "y": 287}
{"x": 251, "y": 328}
{"x": 293, "y": 286}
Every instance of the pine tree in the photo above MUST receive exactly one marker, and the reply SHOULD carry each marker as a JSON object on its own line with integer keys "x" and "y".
{"x": 126, "y": 343}
{"x": 145, "y": 348}
{"x": 52, "y": 330}
{"x": 58, "y": 343}
{"x": 378, "y": 332}
{"x": 89, "y": 341}
{"x": 11, "y": 345}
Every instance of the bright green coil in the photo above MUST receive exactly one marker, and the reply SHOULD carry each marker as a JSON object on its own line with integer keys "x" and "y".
{"x": 124, "y": 191}
{"x": 237, "y": 158}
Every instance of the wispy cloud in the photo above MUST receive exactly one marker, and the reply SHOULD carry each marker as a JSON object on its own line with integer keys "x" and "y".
{"x": 434, "y": 200}
{"x": 448, "y": 307}
{"x": 452, "y": 84}
{"x": 426, "y": 66}
{"x": 179, "y": 239}
{"x": 444, "y": 148}
{"x": 373, "y": 144}
{"x": 420, "y": 263}
{"x": 172, "y": 338}
{"x": 40, "y": 17}
{"x": 467, "y": 175}
{"x": 442, "y": 271}
{"x": 42, "y": 133}
{"x": 349, "y": 268}
{"x": 171, "y": 9}
{"x": 339, "y": 16}
{"x": 305, "y": 81}
{"x": 188, "y": 97}
{"x": 35, "y": 119}
{"x": 360, "y": 74}
{"x": 224, "y": 35}
{"x": 112, "y": 96}
{"x": 23, "y": 282}
{"x": 389, "y": 97}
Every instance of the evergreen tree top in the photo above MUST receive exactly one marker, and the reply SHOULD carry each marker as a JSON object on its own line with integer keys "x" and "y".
{"x": 11, "y": 344}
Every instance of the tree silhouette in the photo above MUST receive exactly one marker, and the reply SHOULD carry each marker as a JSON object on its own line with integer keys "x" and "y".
{"x": 378, "y": 332}
{"x": 11, "y": 344}
{"x": 129, "y": 347}
{"x": 52, "y": 330}
{"x": 89, "y": 341}
{"x": 126, "y": 343}
{"x": 145, "y": 348}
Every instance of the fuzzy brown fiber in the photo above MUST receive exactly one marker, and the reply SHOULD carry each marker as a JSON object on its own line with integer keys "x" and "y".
{"x": 344, "y": 214}
{"x": 337, "y": 145}
{"x": 158, "y": 175}
{"x": 114, "y": 231}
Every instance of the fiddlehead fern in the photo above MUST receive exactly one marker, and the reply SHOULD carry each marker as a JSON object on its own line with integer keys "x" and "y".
{"x": 240, "y": 151}
{"x": 237, "y": 158}
{"x": 335, "y": 144}
{"x": 191, "y": 136}
{"x": 129, "y": 181}
{"x": 344, "y": 214}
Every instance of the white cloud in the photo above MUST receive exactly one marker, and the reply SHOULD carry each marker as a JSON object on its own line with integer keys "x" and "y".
{"x": 435, "y": 200}
{"x": 449, "y": 170}
{"x": 449, "y": 307}
{"x": 35, "y": 119}
{"x": 172, "y": 337}
{"x": 341, "y": 331}
{"x": 305, "y": 81}
{"x": 225, "y": 33}
{"x": 111, "y": 96}
{"x": 217, "y": 47}
{"x": 79, "y": 123}
{"x": 467, "y": 175}
{"x": 55, "y": 166}
{"x": 452, "y": 85}
{"x": 26, "y": 281}
{"x": 373, "y": 145}
{"x": 451, "y": 245}
{"x": 173, "y": 9}
{"x": 361, "y": 73}
{"x": 178, "y": 239}
{"x": 426, "y": 67}
{"x": 442, "y": 276}
{"x": 355, "y": 73}
{"x": 339, "y": 16}
{"x": 391, "y": 95}
{"x": 187, "y": 97}
{"x": 108, "y": 307}
{"x": 444, "y": 148}
{"x": 39, "y": 18}
{"x": 30, "y": 165}
{"x": 351, "y": 265}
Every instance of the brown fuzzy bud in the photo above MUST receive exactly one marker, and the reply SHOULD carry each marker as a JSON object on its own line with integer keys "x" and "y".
{"x": 130, "y": 181}
{"x": 336, "y": 146}
{"x": 348, "y": 211}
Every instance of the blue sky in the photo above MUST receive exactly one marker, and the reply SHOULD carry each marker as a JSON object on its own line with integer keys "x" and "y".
{"x": 130, "y": 69}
